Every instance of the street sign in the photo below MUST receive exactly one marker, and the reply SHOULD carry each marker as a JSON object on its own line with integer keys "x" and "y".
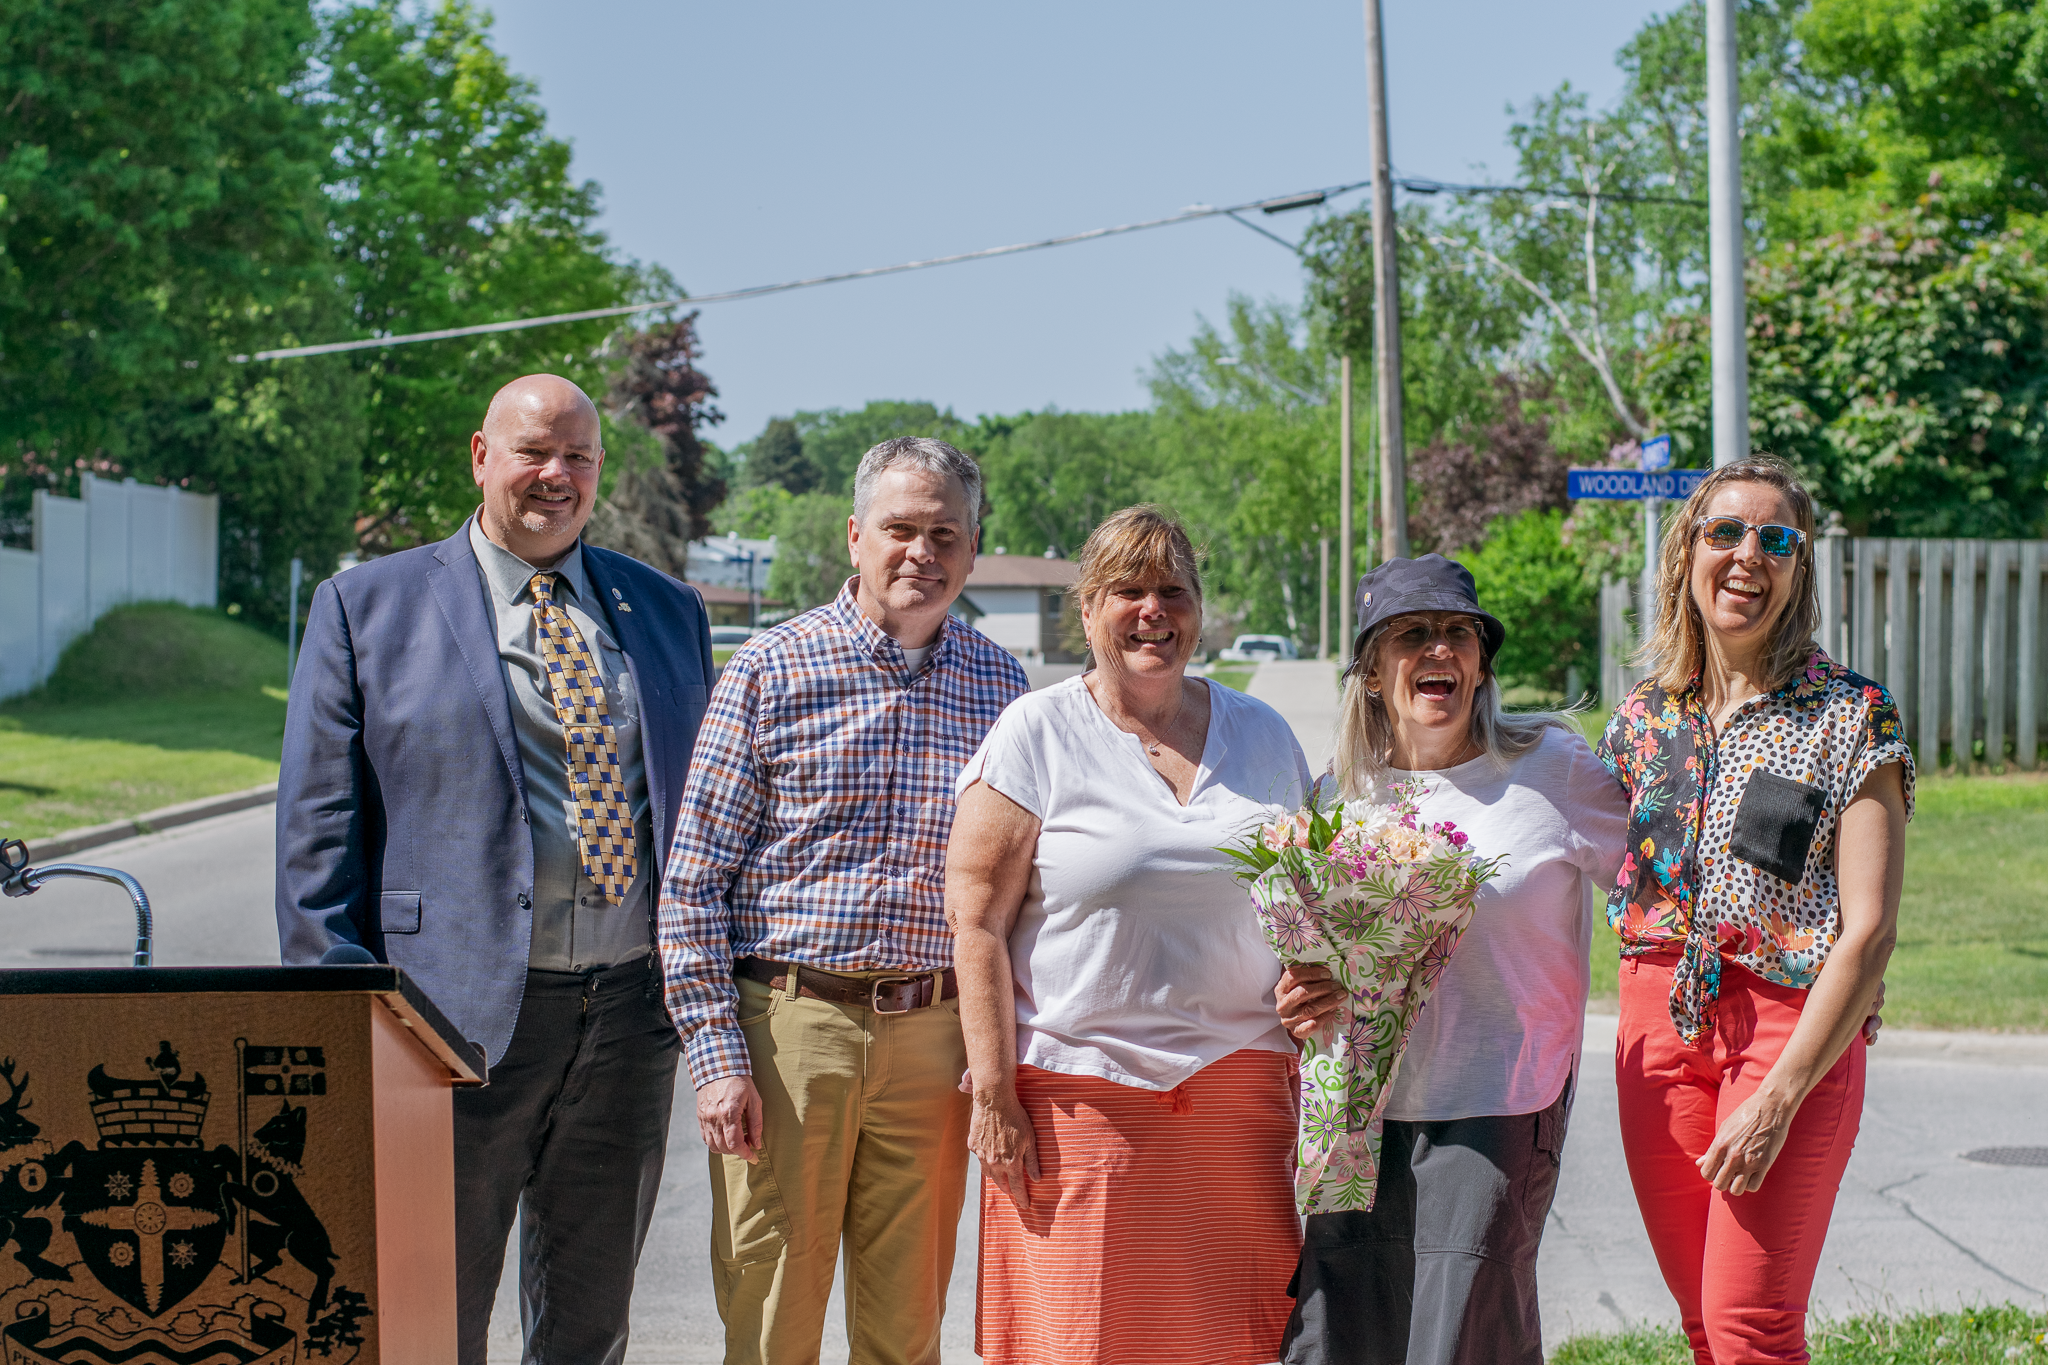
{"x": 1656, "y": 453}
{"x": 1629, "y": 485}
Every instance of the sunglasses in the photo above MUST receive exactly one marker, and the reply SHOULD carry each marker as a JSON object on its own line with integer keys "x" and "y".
{"x": 1460, "y": 632}
{"x": 1726, "y": 533}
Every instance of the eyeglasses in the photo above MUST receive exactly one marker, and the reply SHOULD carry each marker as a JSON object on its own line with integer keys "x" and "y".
{"x": 1726, "y": 533}
{"x": 1460, "y": 632}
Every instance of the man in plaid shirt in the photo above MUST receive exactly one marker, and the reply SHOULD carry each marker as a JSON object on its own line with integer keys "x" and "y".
{"x": 804, "y": 945}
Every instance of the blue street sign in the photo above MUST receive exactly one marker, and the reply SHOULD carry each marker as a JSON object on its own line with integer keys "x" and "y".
{"x": 1656, "y": 453}
{"x": 1628, "y": 485}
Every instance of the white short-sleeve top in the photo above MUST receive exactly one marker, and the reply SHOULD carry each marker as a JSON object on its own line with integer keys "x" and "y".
{"x": 1506, "y": 1023}
{"x": 1136, "y": 954}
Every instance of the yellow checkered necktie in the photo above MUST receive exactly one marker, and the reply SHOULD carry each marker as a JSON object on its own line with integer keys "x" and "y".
{"x": 604, "y": 831}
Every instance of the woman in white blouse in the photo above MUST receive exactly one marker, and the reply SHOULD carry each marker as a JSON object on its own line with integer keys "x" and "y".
{"x": 1133, "y": 1088}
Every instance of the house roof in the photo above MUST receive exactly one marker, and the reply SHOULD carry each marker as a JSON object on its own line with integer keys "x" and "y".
{"x": 1022, "y": 571}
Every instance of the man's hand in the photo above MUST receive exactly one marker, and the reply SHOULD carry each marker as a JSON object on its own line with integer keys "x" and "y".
{"x": 729, "y": 1117}
{"x": 1307, "y": 998}
{"x": 1876, "y": 1019}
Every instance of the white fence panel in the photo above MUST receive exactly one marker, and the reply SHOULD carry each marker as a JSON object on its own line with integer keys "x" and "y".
{"x": 1951, "y": 628}
{"x": 118, "y": 542}
{"x": 63, "y": 599}
{"x": 195, "y": 545}
{"x": 106, "y": 518}
{"x": 18, "y": 629}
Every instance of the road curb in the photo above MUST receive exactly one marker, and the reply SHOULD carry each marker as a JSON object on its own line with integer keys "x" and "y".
{"x": 71, "y": 841}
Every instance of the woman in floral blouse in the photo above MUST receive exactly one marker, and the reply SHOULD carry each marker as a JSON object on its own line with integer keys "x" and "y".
{"x": 1769, "y": 788}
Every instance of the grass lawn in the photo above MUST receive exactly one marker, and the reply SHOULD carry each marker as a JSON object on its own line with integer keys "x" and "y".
{"x": 157, "y": 705}
{"x": 1238, "y": 676}
{"x": 1973, "y": 1337}
{"x": 1973, "y": 921}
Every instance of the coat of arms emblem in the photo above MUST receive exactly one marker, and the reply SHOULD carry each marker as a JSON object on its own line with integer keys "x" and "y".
{"x": 181, "y": 1249}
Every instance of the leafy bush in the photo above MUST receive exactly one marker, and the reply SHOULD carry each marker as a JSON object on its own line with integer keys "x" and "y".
{"x": 1529, "y": 578}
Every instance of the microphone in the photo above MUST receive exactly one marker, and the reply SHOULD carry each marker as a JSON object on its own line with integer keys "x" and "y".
{"x": 347, "y": 955}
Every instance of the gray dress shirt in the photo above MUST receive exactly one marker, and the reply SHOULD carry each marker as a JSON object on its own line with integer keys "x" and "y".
{"x": 573, "y": 929}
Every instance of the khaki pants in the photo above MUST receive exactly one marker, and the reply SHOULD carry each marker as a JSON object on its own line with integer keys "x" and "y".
{"x": 865, "y": 1133}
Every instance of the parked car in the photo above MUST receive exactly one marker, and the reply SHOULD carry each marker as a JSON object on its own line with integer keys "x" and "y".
{"x": 1259, "y": 649}
{"x": 728, "y": 637}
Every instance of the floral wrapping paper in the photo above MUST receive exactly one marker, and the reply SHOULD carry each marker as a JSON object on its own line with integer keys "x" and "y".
{"x": 1382, "y": 899}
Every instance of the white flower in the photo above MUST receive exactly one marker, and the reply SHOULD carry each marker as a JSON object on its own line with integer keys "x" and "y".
{"x": 1368, "y": 817}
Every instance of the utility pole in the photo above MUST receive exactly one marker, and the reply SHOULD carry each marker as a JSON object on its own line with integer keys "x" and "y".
{"x": 1386, "y": 300}
{"x": 1724, "y": 236}
{"x": 1323, "y": 593}
{"x": 1344, "y": 580}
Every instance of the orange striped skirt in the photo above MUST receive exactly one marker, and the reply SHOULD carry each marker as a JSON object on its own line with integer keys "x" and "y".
{"x": 1162, "y": 1228}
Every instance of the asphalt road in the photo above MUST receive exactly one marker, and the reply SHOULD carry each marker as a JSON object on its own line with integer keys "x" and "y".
{"x": 1917, "y": 1224}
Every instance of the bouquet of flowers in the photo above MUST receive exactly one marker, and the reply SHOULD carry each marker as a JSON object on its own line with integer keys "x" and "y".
{"x": 1382, "y": 898}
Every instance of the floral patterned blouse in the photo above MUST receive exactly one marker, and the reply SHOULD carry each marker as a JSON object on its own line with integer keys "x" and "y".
{"x": 1686, "y": 882}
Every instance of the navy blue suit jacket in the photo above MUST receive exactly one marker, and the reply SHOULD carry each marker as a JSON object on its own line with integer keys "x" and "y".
{"x": 401, "y": 803}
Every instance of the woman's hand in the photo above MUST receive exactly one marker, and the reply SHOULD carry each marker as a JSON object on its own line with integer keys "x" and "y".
{"x": 1001, "y": 1137}
{"x": 1307, "y": 998}
{"x": 1748, "y": 1142}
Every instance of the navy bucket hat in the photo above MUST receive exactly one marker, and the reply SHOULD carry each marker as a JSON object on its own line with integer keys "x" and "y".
{"x": 1431, "y": 583}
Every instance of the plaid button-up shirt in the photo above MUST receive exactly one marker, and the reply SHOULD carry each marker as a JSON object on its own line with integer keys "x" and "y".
{"x": 815, "y": 821}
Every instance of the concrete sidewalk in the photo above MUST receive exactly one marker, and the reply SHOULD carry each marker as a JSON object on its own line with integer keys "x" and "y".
{"x": 1304, "y": 691}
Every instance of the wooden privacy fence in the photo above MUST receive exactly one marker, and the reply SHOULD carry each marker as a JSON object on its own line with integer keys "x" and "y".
{"x": 1952, "y": 628}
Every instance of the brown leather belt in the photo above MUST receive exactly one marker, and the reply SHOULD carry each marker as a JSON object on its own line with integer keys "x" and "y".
{"x": 892, "y": 994}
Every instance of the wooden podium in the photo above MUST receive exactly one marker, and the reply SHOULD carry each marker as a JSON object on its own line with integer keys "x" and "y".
{"x": 227, "y": 1166}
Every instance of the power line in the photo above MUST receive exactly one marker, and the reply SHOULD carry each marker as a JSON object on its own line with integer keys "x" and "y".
{"x": 1419, "y": 186}
{"x": 1188, "y": 215}
{"x": 1277, "y": 204}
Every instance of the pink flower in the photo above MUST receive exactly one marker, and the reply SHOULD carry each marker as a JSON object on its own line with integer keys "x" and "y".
{"x": 1292, "y": 927}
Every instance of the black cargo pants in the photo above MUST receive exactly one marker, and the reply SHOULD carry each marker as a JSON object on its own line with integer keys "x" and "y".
{"x": 1442, "y": 1271}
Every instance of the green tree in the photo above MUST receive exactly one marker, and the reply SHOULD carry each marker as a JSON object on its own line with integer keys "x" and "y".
{"x": 751, "y": 512}
{"x": 777, "y": 457}
{"x": 1534, "y": 582}
{"x": 452, "y": 205}
{"x": 835, "y": 439}
{"x": 811, "y": 561}
{"x": 1053, "y": 476}
{"x": 160, "y": 213}
{"x": 1246, "y": 425}
{"x": 1902, "y": 95}
{"x": 1906, "y": 375}
{"x": 661, "y": 496}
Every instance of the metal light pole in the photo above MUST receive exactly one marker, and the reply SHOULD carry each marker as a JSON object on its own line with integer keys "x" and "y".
{"x": 1724, "y": 236}
{"x": 753, "y": 602}
{"x": 1344, "y": 533}
{"x": 1386, "y": 301}
{"x": 291, "y": 627}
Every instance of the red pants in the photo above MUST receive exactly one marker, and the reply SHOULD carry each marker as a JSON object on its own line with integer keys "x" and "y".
{"x": 1741, "y": 1267}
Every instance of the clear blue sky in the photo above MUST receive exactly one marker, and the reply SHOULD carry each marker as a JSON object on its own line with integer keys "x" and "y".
{"x": 742, "y": 144}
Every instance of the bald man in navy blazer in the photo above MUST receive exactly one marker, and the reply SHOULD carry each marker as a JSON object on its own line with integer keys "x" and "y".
{"x": 444, "y": 805}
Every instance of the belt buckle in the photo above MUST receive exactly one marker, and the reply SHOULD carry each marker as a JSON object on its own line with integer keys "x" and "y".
{"x": 875, "y": 992}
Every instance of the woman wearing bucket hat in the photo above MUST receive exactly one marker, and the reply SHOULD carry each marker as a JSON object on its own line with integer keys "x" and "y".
{"x": 1443, "y": 1268}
